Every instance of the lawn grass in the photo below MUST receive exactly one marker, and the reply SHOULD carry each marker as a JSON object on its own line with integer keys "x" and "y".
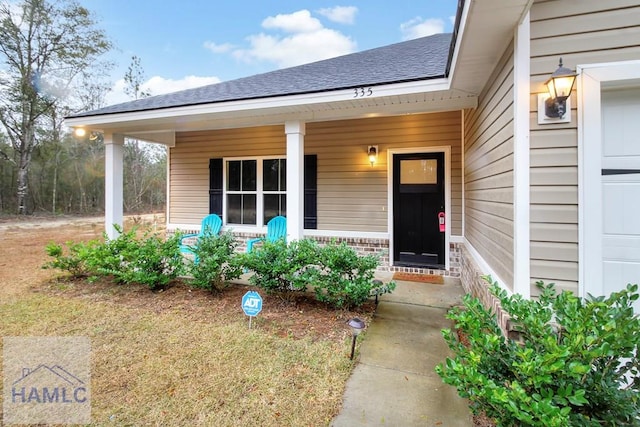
{"x": 153, "y": 367}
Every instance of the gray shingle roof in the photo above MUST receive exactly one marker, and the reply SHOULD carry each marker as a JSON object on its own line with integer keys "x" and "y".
{"x": 418, "y": 59}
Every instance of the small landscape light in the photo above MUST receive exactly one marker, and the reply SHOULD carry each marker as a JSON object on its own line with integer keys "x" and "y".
{"x": 357, "y": 325}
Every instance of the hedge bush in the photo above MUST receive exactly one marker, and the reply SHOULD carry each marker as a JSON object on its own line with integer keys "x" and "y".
{"x": 335, "y": 272}
{"x": 576, "y": 363}
{"x": 150, "y": 260}
{"x": 281, "y": 267}
{"x": 217, "y": 263}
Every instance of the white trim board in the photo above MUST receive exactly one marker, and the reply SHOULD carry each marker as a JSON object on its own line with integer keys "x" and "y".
{"x": 307, "y": 232}
{"x": 484, "y": 267}
{"x": 521, "y": 163}
{"x": 381, "y": 91}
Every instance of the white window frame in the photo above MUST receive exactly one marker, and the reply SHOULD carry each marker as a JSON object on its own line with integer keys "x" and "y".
{"x": 260, "y": 226}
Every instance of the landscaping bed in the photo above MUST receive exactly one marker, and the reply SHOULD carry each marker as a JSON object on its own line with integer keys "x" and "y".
{"x": 179, "y": 355}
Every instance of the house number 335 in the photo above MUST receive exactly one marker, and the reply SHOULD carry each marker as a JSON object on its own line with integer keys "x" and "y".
{"x": 361, "y": 92}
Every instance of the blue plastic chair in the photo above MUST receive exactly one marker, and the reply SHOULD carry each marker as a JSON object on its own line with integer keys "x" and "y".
{"x": 276, "y": 229}
{"x": 211, "y": 225}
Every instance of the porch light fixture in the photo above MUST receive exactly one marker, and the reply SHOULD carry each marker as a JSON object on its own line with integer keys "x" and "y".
{"x": 372, "y": 151}
{"x": 559, "y": 85}
{"x": 357, "y": 325}
{"x": 82, "y": 132}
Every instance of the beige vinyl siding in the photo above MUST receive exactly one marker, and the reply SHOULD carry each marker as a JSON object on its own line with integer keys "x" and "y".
{"x": 353, "y": 195}
{"x": 488, "y": 169}
{"x": 189, "y": 164}
{"x": 581, "y": 32}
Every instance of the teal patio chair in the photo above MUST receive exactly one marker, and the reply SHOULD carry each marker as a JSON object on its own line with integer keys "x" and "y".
{"x": 211, "y": 225}
{"x": 276, "y": 229}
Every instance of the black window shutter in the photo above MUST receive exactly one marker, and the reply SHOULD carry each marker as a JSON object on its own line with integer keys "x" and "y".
{"x": 311, "y": 191}
{"x": 215, "y": 186}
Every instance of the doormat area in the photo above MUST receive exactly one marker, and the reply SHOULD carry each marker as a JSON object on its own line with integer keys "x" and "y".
{"x": 417, "y": 277}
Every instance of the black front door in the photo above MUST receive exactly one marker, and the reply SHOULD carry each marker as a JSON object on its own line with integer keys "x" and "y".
{"x": 418, "y": 199}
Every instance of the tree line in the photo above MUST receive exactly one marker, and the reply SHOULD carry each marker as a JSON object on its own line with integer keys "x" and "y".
{"x": 52, "y": 66}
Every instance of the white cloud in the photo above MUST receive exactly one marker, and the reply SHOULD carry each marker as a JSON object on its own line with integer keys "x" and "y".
{"x": 296, "y": 22}
{"x": 218, "y": 48}
{"x": 307, "y": 41}
{"x": 296, "y": 49}
{"x": 340, "y": 14}
{"x": 157, "y": 86}
{"x": 418, "y": 27}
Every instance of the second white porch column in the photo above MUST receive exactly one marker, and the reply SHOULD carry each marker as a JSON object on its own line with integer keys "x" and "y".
{"x": 113, "y": 183}
{"x": 295, "y": 131}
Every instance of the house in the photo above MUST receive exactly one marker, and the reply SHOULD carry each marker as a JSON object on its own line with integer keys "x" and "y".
{"x": 468, "y": 175}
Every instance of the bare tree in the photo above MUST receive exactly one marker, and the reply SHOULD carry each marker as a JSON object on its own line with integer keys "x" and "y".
{"x": 45, "y": 46}
{"x": 141, "y": 159}
{"x": 133, "y": 78}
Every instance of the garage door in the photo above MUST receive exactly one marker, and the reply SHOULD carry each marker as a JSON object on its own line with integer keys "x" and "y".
{"x": 621, "y": 188}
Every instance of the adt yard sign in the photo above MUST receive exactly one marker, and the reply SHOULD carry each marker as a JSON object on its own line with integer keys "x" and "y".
{"x": 251, "y": 303}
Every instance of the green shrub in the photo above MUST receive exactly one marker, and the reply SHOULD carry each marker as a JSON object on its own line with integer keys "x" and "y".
{"x": 280, "y": 267}
{"x": 344, "y": 279}
{"x": 216, "y": 262}
{"x": 576, "y": 363}
{"x": 338, "y": 276}
{"x": 73, "y": 260}
{"x": 151, "y": 260}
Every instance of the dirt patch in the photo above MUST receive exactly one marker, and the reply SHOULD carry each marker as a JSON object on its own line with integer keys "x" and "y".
{"x": 22, "y": 252}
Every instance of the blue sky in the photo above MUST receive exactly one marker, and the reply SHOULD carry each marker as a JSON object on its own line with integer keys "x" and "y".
{"x": 187, "y": 43}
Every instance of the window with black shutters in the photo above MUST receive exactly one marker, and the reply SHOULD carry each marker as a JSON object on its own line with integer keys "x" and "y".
{"x": 256, "y": 189}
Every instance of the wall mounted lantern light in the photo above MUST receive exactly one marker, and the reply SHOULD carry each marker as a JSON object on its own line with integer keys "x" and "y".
{"x": 372, "y": 152}
{"x": 559, "y": 87}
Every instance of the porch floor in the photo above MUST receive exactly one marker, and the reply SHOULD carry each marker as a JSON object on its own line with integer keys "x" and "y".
{"x": 395, "y": 382}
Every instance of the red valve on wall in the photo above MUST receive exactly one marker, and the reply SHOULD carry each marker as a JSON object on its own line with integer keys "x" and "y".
{"x": 441, "y": 222}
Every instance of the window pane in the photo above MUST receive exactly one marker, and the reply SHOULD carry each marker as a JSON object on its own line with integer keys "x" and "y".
{"x": 271, "y": 206}
{"x": 283, "y": 204}
{"x": 270, "y": 174}
{"x": 249, "y": 175}
{"x": 233, "y": 175}
{"x": 274, "y": 205}
{"x": 249, "y": 209}
{"x": 419, "y": 171}
{"x": 283, "y": 174}
{"x": 234, "y": 209}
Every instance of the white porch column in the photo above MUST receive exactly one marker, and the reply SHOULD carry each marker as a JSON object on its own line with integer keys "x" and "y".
{"x": 295, "y": 131}
{"x": 113, "y": 179}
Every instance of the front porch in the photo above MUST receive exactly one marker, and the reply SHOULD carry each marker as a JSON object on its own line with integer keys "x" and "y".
{"x": 341, "y": 197}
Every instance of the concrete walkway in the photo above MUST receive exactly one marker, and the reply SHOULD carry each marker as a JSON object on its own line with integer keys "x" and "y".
{"x": 394, "y": 383}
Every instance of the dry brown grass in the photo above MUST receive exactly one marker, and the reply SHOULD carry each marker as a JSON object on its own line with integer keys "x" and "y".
{"x": 181, "y": 357}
